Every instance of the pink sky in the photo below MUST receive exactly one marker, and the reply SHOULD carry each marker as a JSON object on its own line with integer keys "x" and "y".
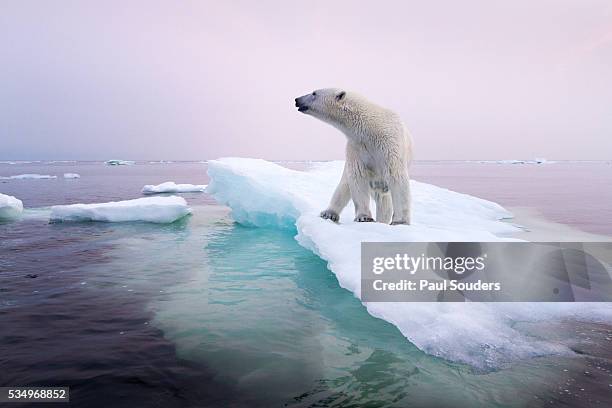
{"x": 189, "y": 80}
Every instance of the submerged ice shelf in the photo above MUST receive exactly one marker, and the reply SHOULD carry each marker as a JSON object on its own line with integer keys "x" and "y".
{"x": 149, "y": 209}
{"x": 483, "y": 335}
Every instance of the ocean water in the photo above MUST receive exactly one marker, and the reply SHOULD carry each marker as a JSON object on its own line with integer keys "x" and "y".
{"x": 206, "y": 312}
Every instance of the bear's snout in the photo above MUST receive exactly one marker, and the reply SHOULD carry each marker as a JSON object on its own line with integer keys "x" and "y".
{"x": 300, "y": 104}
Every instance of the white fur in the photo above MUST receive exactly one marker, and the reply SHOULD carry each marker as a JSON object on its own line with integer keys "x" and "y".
{"x": 378, "y": 153}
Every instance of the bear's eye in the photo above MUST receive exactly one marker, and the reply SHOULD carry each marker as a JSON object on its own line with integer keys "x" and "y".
{"x": 340, "y": 96}
{"x": 314, "y": 93}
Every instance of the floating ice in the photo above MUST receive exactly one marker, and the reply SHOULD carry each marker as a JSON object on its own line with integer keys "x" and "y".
{"x": 149, "y": 209}
{"x": 537, "y": 160}
{"x": 116, "y": 162}
{"x": 10, "y": 207}
{"x": 28, "y": 176}
{"x": 71, "y": 176}
{"x": 483, "y": 335}
{"x": 172, "y": 187}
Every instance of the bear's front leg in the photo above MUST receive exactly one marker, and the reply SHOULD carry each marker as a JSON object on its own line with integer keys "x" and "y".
{"x": 339, "y": 200}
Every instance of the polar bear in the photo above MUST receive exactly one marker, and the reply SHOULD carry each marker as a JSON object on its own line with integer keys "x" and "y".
{"x": 378, "y": 153}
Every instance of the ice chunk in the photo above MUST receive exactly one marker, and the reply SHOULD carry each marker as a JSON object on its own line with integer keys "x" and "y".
{"x": 148, "y": 209}
{"x": 71, "y": 176}
{"x": 172, "y": 187}
{"x": 10, "y": 207}
{"x": 483, "y": 335}
{"x": 29, "y": 176}
{"x": 116, "y": 162}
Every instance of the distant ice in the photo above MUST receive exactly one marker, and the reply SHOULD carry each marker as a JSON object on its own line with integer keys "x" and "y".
{"x": 19, "y": 162}
{"x": 171, "y": 187}
{"x": 29, "y": 176}
{"x": 148, "y": 209}
{"x": 10, "y": 207}
{"x": 483, "y": 335}
{"x": 71, "y": 176}
{"x": 116, "y": 162}
{"x": 537, "y": 160}
{"x": 161, "y": 162}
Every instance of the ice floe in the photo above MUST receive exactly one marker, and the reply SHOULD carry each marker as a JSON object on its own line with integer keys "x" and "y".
{"x": 537, "y": 160}
{"x": 172, "y": 187}
{"x": 29, "y": 176}
{"x": 148, "y": 209}
{"x": 116, "y": 162}
{"x": 71, "y": 176}
{"x": 483, "y": 335}
{"x": 10, "y": 207}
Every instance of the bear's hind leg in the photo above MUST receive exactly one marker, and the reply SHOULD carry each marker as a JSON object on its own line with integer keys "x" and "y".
{"x": 400, "y": 195}
{"x": 360, "y": 193}
{"x": 384, "y": 207}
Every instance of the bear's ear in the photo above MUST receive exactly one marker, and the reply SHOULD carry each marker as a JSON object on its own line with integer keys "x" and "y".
{"x": 340, "y": 95}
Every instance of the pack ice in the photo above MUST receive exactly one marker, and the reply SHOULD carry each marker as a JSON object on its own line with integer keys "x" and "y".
{"x": 10, "y": 207}
{"x": 149, "y": 209}
{"x": 483, "y": 335}
{"x": 29, "y": 176}
{"x": 172, "y": 187}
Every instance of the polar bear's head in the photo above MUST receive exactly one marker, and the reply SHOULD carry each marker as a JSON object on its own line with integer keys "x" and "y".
{"x": 330, "y": 105}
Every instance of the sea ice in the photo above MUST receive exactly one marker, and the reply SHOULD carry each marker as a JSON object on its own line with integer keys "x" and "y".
{"x": 537, "y": 160}
{"x": 172, "y": 187}
{"x": 71, "y": 176}
{"x": 10, "y": 207}
{"x": 116, "y": 162}
{"x": 483, "y": 335}
{"x": 28, "y": 176}
{"x": 148, "y": 209}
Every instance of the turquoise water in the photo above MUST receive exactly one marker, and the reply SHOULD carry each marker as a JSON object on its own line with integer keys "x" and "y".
{"x": 270, "y": 321}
